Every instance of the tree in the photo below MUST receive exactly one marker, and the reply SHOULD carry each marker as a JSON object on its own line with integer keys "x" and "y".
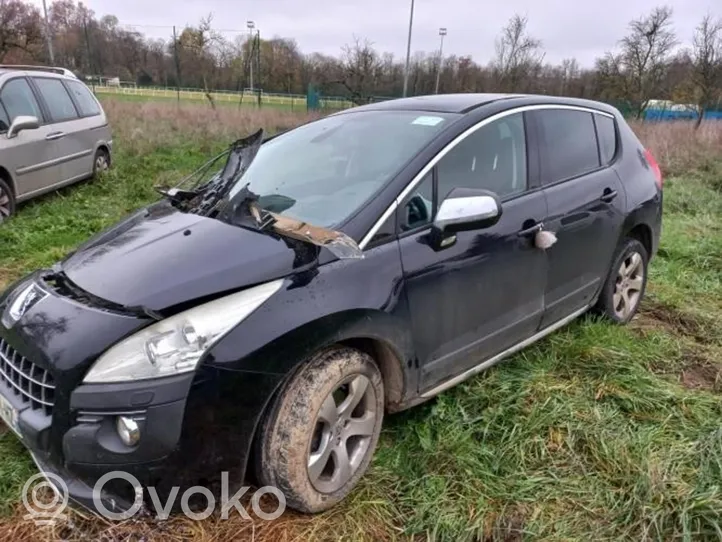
{"x": 637, "y": 73}
{"x": 20, "y": 30}
{"x": 518, "y": 56}
{"x": 359, "y": 70}
{"x": 707, "y": 64}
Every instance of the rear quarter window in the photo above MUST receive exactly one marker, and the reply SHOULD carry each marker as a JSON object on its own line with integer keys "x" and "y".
{"x": 570, "y": 143}
{"x": 607, "y": 134}
{"x": 83, "y": 98}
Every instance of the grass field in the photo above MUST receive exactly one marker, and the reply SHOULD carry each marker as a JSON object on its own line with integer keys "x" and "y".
{"x": 597, "y": 433}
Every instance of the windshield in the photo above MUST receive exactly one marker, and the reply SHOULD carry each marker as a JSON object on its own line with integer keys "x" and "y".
{"x": 322, "y": 172}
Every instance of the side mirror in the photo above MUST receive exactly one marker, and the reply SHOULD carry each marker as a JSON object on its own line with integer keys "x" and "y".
{"x": 467, "y": 209}
{"x": 22, "y": 123}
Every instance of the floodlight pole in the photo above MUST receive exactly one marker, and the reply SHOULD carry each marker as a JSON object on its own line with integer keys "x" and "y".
{"x": 48, "y": 37}
{"x": 442, "y": 33}
{"x": 408, "y": 50}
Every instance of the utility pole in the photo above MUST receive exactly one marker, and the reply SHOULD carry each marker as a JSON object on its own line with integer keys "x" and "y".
{"x": 408, "y": 50}
{"x": 251, "y": 25}
{"x": 48, "y": 36}
{"x": 442, "y": 33}
{"x": 177, "y": 64}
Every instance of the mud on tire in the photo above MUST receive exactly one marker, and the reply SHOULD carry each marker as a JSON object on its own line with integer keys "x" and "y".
{"x": 290, "y": 445}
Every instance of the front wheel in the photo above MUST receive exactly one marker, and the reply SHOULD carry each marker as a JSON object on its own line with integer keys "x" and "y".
{"x": 7, "y": 201}
{"x": 318, "y": 439}
{"x": 625, "y": 285}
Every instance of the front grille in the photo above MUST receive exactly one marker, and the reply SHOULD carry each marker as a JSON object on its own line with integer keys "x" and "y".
{"x": 34, "y": 385}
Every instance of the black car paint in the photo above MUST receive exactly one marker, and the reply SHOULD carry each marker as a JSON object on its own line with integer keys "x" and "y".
{"x": 392, "y": 304}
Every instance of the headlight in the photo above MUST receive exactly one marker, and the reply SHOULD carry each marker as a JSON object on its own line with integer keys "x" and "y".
{"x": 175, "y": 345}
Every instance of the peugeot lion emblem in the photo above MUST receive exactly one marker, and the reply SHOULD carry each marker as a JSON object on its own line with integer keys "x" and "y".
{"x": 26, "y": 300}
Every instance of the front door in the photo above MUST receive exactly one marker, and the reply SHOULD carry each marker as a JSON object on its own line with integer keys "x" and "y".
{"x": 586, "y": 202}
{"x": 484, "y": 290}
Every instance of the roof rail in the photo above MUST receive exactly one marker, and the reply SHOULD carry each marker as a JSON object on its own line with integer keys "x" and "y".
{"x": 61, "y": 71}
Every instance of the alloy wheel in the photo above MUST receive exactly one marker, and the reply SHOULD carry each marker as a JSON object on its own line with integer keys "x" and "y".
{"x": 342, "y": 434}
{"x": 628, "y": 287}
{"x": 101, "y": 162}
{"x": 5, "y": 203}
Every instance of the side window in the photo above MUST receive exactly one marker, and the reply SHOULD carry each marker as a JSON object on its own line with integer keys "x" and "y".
{"x": 418, "y": 208}
{"x": 492, "y": 158}
{"x": 570, "y": 142}
{"x": 84, "y": 98}
{"x": 4, "y": 120}
{"x": 19, "y": 100}
{"x": 57, "y": 98}
{"x": 607, "y": 134}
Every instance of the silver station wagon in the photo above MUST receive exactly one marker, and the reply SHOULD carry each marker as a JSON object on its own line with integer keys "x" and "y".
{"x": 53, "y": 132}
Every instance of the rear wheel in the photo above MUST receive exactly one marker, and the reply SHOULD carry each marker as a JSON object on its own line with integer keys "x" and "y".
{"x": 7, "y": 200}
{"x": 101, "y": 162}
{"x": 625, "y": 285}
{"x": 318, "y": 439}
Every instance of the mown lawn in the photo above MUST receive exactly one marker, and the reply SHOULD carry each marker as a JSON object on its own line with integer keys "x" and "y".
{"x": 597, "y": 433}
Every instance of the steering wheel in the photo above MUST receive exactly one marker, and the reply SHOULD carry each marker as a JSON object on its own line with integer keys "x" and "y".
{"x": 416, "y": 212}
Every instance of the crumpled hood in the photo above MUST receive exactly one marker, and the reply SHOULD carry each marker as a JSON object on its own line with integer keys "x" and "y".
{"x": 160, "y": 257}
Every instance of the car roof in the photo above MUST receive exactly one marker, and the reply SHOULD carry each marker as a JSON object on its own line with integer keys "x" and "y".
{"x": 438, "y": 103}
{"x": 464, "y": 103}
{"x": 27, "y": 70}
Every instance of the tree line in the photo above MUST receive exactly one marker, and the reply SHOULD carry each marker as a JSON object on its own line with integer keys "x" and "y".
{"x": 650, "y": 62}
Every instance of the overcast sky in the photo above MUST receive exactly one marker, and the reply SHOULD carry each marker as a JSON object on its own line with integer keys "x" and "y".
{"x": 582, "y": 29}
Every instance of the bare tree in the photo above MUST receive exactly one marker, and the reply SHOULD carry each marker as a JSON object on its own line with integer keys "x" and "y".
{"x": 20, "y": 28}
{"x": 360, "y": 67}
{"x": 707, "y": 64}
{"x": 639, "y": 70}
{"x": 518, "y": 56}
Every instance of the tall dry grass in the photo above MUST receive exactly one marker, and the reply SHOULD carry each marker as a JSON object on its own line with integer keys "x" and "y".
{"x": 142, "y": 127}
{"x": 678, "y": 147}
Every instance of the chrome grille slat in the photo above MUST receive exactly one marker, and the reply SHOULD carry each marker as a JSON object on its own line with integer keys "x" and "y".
{"x": 33, "y": 384}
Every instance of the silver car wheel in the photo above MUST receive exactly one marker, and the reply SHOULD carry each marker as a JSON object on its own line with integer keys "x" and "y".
{"x": 5, "y": 203}
{"x": 628, "y": 287}
{"x": 343, "y": 432}
{"x": 101, "y": 162}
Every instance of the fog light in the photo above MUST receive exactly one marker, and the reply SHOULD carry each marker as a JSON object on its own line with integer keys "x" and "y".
{"x": 128, "y": 430}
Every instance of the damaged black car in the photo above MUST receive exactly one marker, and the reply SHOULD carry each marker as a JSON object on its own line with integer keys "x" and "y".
{"x": 263, "y": 315}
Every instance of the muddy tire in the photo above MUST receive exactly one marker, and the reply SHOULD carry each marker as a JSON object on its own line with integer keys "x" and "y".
{"x": 101, "y": 163}
{"x": 624, "y": 288}
{"x": 318, "y": 438}
{"x": 7, "y": 201}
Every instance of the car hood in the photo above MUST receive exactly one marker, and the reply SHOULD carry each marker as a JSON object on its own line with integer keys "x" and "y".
{"x": 161, "y": 257}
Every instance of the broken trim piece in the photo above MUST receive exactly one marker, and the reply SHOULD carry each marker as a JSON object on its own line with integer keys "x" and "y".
{"x": 340, "y": 244}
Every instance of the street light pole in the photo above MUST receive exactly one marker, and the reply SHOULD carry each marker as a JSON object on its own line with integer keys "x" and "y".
{"x": 442, "y": 33}
{"x": 408, "y": 50}
{"x": 251, "y": 25}
{"x": 48, "y": 37}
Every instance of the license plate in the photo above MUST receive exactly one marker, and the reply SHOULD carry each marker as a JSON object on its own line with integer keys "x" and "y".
{"x": 9, "y": 415}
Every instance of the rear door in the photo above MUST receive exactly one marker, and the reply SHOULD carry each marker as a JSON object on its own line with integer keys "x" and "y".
{"x": 586, "y": 204}
{"x": 69, "y": 130}
{"x": 483, "y": 291}
{"x": 32, "y": 158}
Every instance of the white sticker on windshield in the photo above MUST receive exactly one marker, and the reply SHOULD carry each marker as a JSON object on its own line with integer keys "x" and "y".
{"x": 428, "y": 121}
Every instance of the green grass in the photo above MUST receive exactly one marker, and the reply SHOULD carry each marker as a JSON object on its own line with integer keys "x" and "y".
{"x": 597, "y": 433}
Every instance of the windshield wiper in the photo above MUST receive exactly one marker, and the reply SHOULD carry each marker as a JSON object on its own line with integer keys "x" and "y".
{"x": 205, "y": 199}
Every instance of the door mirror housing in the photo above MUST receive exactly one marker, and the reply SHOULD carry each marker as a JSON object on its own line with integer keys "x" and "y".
{"x": 21, "y": 123}
{"x": 467, "y": 209}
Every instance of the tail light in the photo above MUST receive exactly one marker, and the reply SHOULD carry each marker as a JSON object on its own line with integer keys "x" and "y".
{"x": 655, "y": 168}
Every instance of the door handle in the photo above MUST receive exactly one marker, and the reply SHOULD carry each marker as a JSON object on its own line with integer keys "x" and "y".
{"x": 608, "y": 195}
{"x": 54, "y": 135}
{"x": 531, "y": 230}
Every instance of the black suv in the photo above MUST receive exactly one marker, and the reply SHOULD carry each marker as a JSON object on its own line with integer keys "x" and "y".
{"x": 264, "y": 315}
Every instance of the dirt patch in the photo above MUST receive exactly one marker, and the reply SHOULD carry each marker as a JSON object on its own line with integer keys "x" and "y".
{"x": 702, "y": 377}
{"x": 508, "y": 527}
{"x": 653, "y": 314}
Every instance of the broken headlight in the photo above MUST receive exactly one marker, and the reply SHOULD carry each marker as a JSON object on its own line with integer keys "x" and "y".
{"x": 175, "y": 345}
